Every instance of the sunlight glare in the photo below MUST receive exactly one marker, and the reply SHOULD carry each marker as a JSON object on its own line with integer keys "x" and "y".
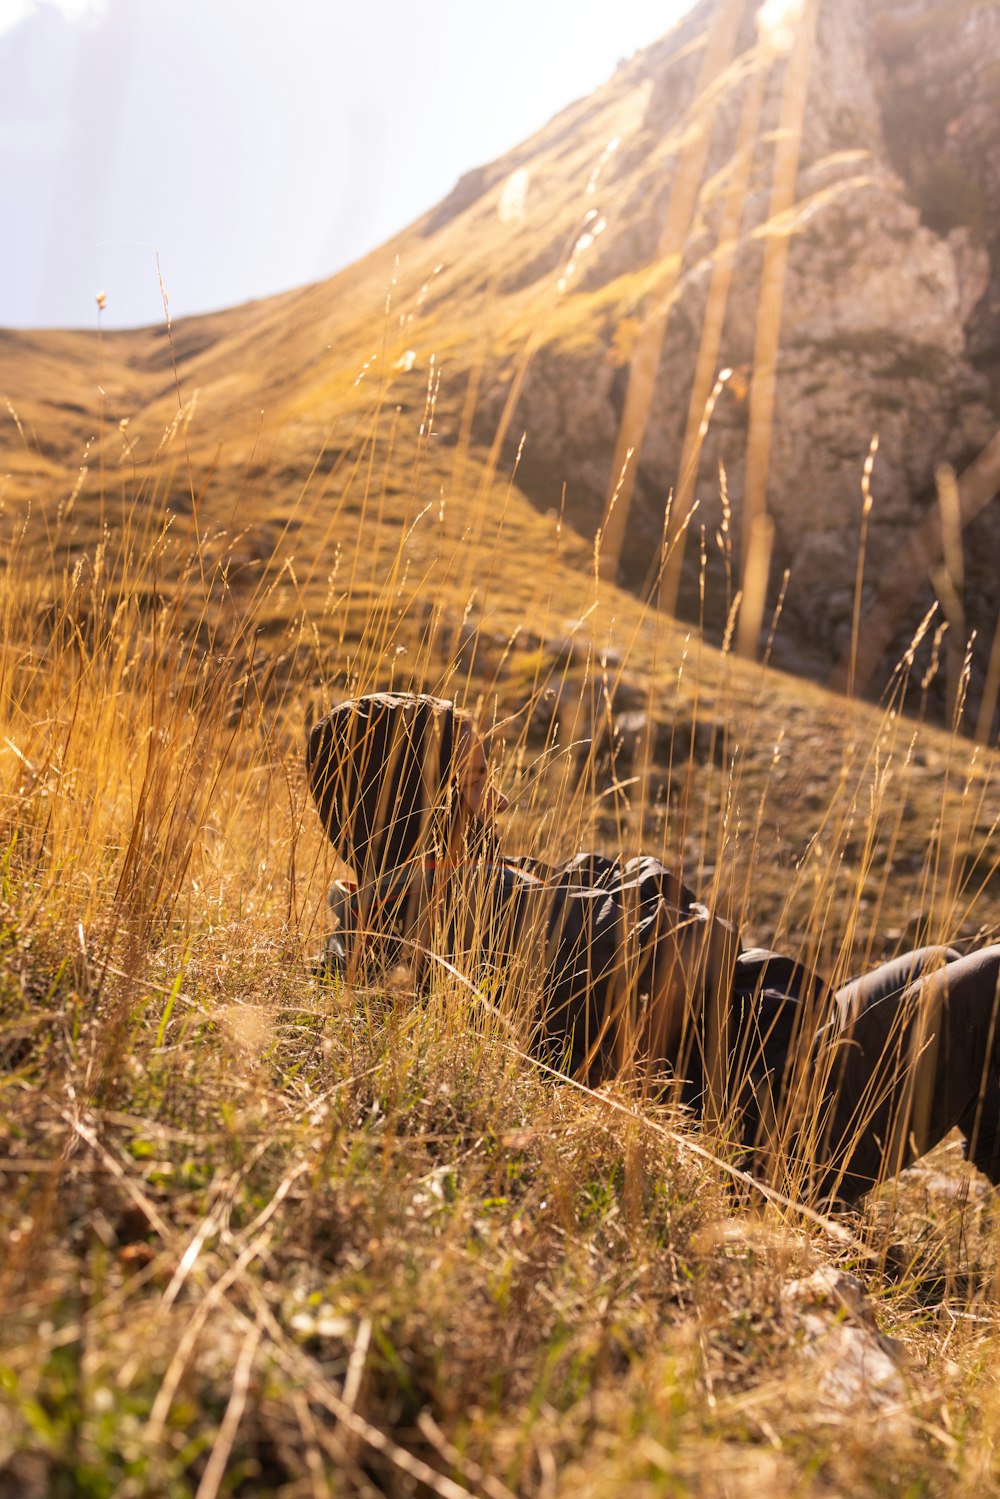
{"x": 14, "y": 11}
{"x": 513, "y": 197}
{"x": 776, "y": 23}
{"x": 75, "y": 12}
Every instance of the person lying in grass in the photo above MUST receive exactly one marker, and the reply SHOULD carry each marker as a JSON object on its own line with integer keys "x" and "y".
{"x": 611, "y": 967}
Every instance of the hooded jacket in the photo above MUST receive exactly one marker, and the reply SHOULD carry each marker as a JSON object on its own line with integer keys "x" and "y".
{"x": 381, "y": 770}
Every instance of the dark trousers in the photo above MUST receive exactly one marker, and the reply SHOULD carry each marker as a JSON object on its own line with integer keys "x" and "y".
{"x": 913, "y": 1052}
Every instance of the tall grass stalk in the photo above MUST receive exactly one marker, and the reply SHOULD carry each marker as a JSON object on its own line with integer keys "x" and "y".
{"x": 292, "y": 1236}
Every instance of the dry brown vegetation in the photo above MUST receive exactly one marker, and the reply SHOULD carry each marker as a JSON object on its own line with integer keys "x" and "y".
{"x": 270, "y": 1235}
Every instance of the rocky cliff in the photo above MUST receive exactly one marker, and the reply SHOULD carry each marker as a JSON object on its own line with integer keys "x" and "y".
{"x": 889, "y": 318}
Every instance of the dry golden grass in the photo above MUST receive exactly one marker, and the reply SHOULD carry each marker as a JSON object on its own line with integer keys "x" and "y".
{"x": 265, "y": 1234}
{"x": 270, "y": 1236}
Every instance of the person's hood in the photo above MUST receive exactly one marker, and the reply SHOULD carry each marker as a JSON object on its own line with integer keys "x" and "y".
{"x": 381, "y": 770}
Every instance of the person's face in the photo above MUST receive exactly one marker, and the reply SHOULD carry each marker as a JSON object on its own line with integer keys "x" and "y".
{"x": 479, "y": 795}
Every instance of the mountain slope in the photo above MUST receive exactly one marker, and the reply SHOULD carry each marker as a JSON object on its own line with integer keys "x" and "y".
{"x": 526, "y": 300}
{"x": 361, "y": 1240}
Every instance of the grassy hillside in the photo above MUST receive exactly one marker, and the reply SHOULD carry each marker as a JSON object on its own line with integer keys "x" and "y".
{"x": 265, "y": 1235}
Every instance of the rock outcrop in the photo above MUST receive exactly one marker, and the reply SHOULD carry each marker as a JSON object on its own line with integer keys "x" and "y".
{"x": 890, "y": 318}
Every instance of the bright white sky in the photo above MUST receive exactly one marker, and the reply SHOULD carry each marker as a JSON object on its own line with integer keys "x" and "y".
{"x": 260, "y": 144}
